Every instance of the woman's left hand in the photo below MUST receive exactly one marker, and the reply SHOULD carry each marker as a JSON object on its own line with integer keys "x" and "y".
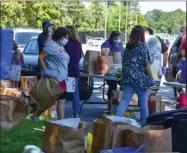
{"x": 45, "y": 73}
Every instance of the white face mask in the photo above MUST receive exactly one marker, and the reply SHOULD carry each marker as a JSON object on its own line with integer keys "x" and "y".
{"x": 64, "y": 41}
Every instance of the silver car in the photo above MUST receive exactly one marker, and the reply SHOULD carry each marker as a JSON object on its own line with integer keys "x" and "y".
{"x": 31, "y": 68}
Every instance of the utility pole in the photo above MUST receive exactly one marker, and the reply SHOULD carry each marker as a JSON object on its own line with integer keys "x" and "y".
{"x": 126, "y": 20}
{"x": 106, "y": 19}
{"x": 119, "y": 15}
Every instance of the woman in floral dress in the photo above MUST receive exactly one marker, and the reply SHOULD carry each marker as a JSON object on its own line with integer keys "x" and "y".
{"x": 16, "y": 66}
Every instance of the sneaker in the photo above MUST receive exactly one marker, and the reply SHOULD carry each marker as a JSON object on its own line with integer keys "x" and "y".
{"x": 75, "y": 116}
{"x": 34, "y": 118}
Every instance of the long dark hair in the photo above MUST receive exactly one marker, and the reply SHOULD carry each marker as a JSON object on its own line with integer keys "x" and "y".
{"x": 136, "y": 36}
{"x": 72, "y": 33}
{"x": 112, "y": 35}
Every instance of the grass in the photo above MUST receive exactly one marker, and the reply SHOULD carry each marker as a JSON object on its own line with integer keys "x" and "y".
{"x": 27, "y": 133}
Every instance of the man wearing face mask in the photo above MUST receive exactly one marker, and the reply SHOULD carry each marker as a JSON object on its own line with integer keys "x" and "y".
{"x": 110, "y": 46}
{"x": 45, "y": 36}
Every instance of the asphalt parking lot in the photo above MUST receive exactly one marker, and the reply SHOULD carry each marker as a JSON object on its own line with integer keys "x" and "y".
{"x": 92, "y": 111}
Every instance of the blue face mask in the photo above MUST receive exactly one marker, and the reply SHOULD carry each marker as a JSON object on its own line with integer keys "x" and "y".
{"x": 64, "y": 42}
{"x": 116, "y": 41}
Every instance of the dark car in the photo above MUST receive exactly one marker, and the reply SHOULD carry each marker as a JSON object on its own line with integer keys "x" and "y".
{"x": 30, "y": 68}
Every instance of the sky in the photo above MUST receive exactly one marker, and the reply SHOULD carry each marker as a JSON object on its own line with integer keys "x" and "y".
{"x": 164, "y": 6}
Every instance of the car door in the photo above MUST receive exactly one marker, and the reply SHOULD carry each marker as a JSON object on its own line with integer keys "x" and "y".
{"x": 31, "y": 53}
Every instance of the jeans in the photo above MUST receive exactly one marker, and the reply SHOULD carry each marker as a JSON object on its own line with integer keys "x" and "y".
{"x": 129, "y": 90}
{"x": 76, "y": 99}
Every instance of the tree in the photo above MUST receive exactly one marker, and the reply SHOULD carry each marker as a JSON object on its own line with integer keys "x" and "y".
{"x": 95, "y": 16}
{"x": 165, "y": 22}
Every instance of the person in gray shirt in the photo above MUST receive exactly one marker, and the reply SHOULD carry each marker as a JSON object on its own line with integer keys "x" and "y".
{"x": 54, "y": 62}
{"x": 158, "y": 52}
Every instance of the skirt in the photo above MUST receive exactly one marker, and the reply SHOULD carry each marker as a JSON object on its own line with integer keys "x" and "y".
{"x": 16, "y": 72}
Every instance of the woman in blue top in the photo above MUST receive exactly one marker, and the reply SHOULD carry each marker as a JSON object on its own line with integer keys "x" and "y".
{"x": 136, "y": 73}
{"x": 112, "y": 45}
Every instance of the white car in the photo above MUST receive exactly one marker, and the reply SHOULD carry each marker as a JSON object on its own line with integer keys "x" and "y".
{"x": 96, "y": 41}
{"x": 22, "y": 36}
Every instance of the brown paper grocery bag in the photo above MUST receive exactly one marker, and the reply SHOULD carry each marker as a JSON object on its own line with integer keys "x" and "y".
{"x": 117, "y": 59}
{"x": 27, "y": 82}
{"x": 63, "y": 139}
{"x": 18, "y": 113}
{"x": 89, "y": 64}
{"x": 7, "y": 107}
{"x": 113, "y": 137}
{"x": 107, "y": 134}
{"x": 98, "y": 136}
{"x": 155, "y": 104}
{"x": 156, "y": 138}
{"x": 118, "y": 139}
{"x": 45, "y": 92}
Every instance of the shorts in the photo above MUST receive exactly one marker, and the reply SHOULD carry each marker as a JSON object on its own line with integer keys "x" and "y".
{"x": 63, "y": 96}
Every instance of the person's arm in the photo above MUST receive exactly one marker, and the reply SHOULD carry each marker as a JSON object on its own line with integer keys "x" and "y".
{"x": 148, "y": 70}
{"x": 146, "y": 61}
{"x": 47, "y": 39}
{"x": 42, "y": 57}
{"x": 165, "y": 59}
{"x": 105, "y": 49}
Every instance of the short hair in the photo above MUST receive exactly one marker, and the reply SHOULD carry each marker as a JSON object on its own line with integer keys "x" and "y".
{"x": 183, "y": 28}
{"x": 149, "y": 30}
{"x": 72, "y": 33}
{"x": 114, "y": 34}
{"x": 59, "y": 33}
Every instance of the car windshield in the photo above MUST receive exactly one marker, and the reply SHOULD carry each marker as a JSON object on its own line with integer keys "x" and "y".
{"x": 32, "y": 47}
{"x": 23, "y": 37}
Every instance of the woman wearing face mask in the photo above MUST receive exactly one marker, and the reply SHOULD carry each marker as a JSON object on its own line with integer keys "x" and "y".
{"x": 74, "y": 49}
{"x": 54, "y": 62}
{"x": 112, "y": 45}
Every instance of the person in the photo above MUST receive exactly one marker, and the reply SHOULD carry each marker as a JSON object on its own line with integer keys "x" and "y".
{"x": 158, "y": 50}
{"x": 177, "y": 43}
{"x": 16, "y": 65}
{"x": 182, "y": 62}
{"x": 112, "y": 45}
{"x": 175, "y": 53}
{"x": 136, "y": 73}
{"x": 53, "y": 61}
{"x": 45, "y": 36}
{"x": 74, "y": 49}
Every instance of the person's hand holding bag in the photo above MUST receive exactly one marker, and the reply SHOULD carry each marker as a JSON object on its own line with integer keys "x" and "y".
{"x": 45, "y": 73}
{"x": 153, "y": 82}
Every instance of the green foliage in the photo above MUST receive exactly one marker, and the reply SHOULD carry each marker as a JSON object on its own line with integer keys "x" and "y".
{"x": 28, "y": 133}
{"x": 165, "y": 22}
{"x": 92, "y": 18}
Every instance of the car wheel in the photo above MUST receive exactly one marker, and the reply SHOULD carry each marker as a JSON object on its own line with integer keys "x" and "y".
{"x": 91, "y": 44}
